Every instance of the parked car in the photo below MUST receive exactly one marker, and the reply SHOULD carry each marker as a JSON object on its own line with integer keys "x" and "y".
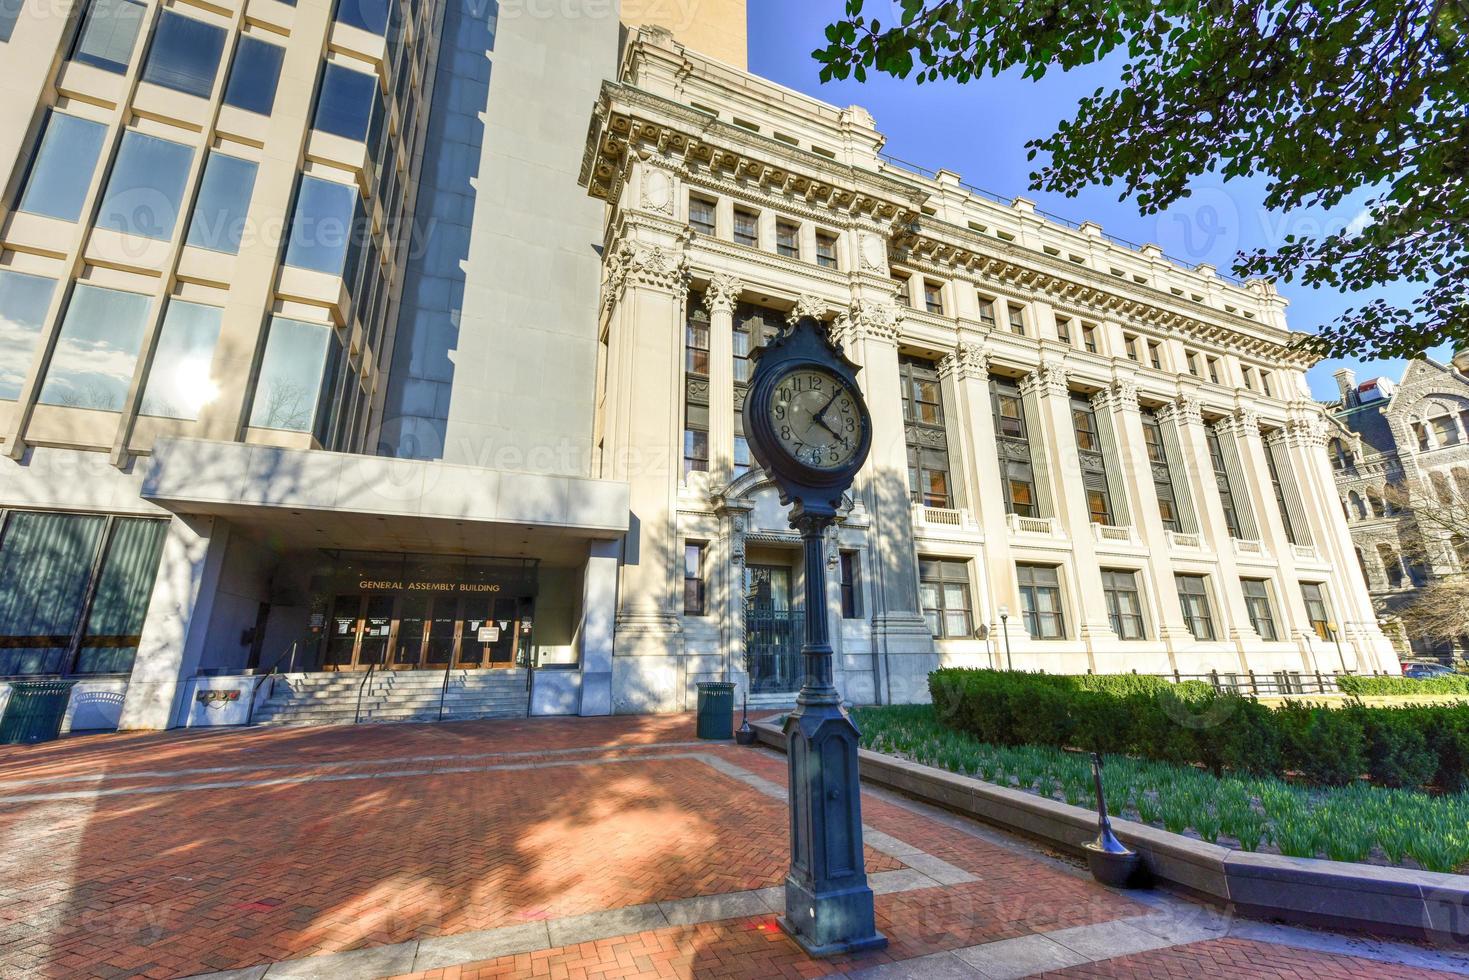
{"x": 1422, "y": 671}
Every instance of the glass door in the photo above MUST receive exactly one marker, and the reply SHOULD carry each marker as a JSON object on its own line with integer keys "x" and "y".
{"x": 377, "y": 629}
{"x": 501, "y": 648}
{"x": 773, "y": 632}
{"x": 475, "y": 630}
{"x": 412, "y": 625}
{"x": 341, "y": 640}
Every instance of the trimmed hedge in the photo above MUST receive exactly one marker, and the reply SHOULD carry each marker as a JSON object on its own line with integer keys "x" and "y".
{"x": 1388, "y": 686}
{"x": 1191, "y": 723}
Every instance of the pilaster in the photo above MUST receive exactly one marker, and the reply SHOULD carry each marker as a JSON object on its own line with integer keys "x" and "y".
{"x": 868, "y": 332}
{"x": 1052, "y": 397}
{"x": 966, "y": 371}
{"x": 721, "y": 297}
{"x": 1119, "y": 403}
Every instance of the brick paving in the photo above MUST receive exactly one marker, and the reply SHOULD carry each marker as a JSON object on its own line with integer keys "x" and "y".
{"x": 167, "y": 855}
{"x": 1239, "y": 959}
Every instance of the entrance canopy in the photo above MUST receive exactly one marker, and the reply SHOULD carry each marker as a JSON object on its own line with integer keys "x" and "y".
{"x": 307, "y": 499}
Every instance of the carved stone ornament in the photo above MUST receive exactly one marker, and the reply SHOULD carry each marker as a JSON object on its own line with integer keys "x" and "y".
{"x": 874, "y": 254}
{"x": 807, "y": 305}
{"x": 1048, "y": 379}
{"x": 1121, "y": 396}
{"x": 1183, "y": 410}
{"x": 652, "y": 266}
{"x": 867, "y": 319}
{"x": 966, "y": 362}
{"x": 1307, "y": 430}
{"x": 723, "y": 293}
{"x": 657, "y": 191}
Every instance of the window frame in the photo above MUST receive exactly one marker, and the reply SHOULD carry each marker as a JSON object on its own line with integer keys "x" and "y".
{"x": 695, "y": 578}
{"x": 751, "y": 238}
{"x": 1117, "y": 582}
{"x": 710, "y": 227}
{"x": 1041, "y": 625}
{"x": 938, "y": 575}
{"x": 1196, "y": 606}
{"x": 1260, "y": 608}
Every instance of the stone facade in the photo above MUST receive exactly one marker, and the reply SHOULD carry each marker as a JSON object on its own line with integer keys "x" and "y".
{"x": 734, "y": 204}
{"x": 1395, "y": 459}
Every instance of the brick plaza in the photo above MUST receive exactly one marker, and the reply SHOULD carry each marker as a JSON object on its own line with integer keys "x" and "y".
{"x": 579, "y": 848}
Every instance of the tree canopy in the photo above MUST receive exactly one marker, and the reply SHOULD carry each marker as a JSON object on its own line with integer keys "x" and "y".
{"x": 1323, "y": 98}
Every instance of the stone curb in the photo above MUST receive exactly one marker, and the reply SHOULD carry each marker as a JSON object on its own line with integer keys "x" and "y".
{"x": 1400, "y": 902}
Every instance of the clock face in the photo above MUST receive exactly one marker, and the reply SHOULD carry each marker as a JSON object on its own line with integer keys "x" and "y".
{"x": 817, "y": 418}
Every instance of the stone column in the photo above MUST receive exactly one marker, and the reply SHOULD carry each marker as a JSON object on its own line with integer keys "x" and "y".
{"x": 1119, "y": 402}
{"x": 720, "y": 299}
{"x": 649, "y": 282}
{"x": 734, "y": 516}
{"x": 595, "y": 635}
{"x": 1305, "y": 442}
{"x": 868, "y": 332}
{"x": 1183, "y": 420}
{"x": 1047, "y": 386}
{"x": 1244, "y": 430}
{"x": 967, "y": 372}
{"x": 176, "y": 623}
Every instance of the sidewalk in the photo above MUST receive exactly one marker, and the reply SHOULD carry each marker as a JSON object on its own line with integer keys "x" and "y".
{"x": 550, "y": 847}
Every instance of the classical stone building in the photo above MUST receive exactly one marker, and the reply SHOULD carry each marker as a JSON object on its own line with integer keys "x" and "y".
{"x": 339, "y": 365}
{"x": 1086, "y": 457}
{"x": 1401, "y": 457}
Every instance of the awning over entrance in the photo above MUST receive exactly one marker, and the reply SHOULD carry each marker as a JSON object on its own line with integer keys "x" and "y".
{"x": 315, "y": 499}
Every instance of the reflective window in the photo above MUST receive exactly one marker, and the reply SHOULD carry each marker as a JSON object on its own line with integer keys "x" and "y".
{"x": 321, "y": 225}
{"x": 184, "y": 55}
{"x": 92, "y": 365}
{"x": 1040, "y": 601}
{"x": 23, "y": 302}
{"x": 109, "y": 642}
{"x": 943, "y": 590}
{"x": 108, "y": 34}
{"x": 45, "y": 563}
{"x": 290, "y": 375}
{"x": 1193, "y": 596}
{"x": 146, "y": 187}
{"x": 1124, "y": 604}
{"x": 1257, "y": 603}
{"x": 179, "y": 382}
{"x": 370, "y": 15}
{"x": 344, "y": 106}
{"x": 218, "y": 221}
{"x": 62, "y": 169}
{"x": 254, "y": 75}
{"x": 9, "y": 14}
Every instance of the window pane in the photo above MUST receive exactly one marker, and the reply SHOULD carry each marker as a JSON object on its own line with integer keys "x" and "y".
{"x": 92, "y": 366}
{"x": 218, "y": 221}
{"x": 179, "y": 382}
{"x": 146, "y": 187}
{"x": 254, "y": 75}
{"x": 290, "y": 375}
{"x": 370, "y": 15}
{"x": 344, "y": 106}
{"x": 184, "y": 55}
{"x": 115, "y": 622}
{"x": 321, "y": 225}
{"x": 108, "y": 34}
{"x": 45, "y": 563}
{"x": 23, "y": 302}
{"x": 62, "y": 169}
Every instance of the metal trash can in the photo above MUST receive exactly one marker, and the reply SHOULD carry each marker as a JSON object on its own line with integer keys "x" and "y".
{"x": 35, "y": 711}
{"x": 716, "y": 710}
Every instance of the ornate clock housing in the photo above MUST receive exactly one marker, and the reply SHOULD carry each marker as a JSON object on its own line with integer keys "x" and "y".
{"x": 805, "y": 418}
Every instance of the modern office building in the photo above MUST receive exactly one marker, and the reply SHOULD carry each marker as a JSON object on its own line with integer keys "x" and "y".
{"x": 336, "y": 346}
{"x": 1400, "y": 451}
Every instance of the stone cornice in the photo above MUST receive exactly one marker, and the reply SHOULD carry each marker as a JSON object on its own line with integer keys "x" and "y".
{"x": 627, "y": 118}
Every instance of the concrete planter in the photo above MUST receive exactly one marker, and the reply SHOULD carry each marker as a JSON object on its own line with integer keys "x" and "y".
{"x": 1398, "y": 902}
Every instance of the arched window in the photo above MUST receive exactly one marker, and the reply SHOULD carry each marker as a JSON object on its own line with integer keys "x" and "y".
{"x": 1392, "y": 566}
{"x": 1358, "y": 510}
{"x": 1379, "y": 509}
{"x": 1362, "y": 563}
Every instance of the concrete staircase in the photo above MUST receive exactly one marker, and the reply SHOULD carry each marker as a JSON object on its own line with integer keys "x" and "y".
{"x": 402, "y": 696}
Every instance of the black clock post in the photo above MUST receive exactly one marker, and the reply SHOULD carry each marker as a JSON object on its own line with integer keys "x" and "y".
{"x": 810, "y": 430}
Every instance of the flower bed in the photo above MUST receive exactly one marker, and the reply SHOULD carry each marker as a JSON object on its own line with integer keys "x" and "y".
{"x": 1359, "y": 823}
{"x": 1149, "y": 718}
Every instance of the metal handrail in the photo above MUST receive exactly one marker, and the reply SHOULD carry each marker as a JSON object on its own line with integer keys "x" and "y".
{"x": 357, "y": 718}
{"x": 443, "y": 691}
{"x": 269, "y": 675}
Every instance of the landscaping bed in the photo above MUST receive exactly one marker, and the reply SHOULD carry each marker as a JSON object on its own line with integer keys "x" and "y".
{"x": 1357, "y": 822}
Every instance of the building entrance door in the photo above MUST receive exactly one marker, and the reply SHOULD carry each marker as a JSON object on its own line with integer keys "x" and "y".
{"x": 774, "y": 631}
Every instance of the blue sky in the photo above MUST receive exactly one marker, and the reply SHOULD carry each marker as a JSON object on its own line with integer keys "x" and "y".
{"x": 980, "y": 129}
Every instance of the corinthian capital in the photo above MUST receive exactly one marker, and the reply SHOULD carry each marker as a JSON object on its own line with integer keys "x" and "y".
{"x": 866, "y": 319}
{"x": 807, "y": 305}
{"x": 651, "y": 266}
{"x": 1183, "y": 410}
{"x": 964, "y": 362}
{"x": 1120, "y": 396}
{"x": 723, "y": 293}
{"x": 1048, "y": 379}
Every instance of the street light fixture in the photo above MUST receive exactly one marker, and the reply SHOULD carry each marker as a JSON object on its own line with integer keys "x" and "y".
{"x": 1005, "y": 625}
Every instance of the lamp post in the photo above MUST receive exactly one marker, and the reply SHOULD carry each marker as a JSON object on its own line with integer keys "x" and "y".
{"x": 1005, "y": 626}
{"x": 1331, "y": 627}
